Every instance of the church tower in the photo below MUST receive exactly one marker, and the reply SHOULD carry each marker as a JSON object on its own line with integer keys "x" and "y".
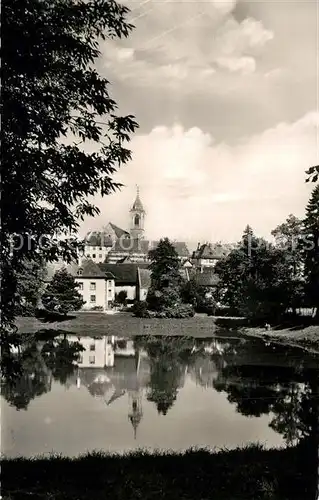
{"x": 137, "y": 218}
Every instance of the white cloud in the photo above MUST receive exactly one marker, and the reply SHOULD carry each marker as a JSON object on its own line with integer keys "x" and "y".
{"x": 182, "y": 43}
{"x": 194, "y": 188}
{"x": 242, "y": 64}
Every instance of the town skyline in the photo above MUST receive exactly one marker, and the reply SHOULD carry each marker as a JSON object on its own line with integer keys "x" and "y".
{"x": 226, "y": 128}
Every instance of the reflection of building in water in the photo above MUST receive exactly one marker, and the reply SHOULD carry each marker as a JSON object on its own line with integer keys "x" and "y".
{"x": 98, "y": 351}
{"x": 135, "y": 409}
{"x": 130, "y": 375}
{"x": 207, "y": 366}
{"x": 204, "y": 371}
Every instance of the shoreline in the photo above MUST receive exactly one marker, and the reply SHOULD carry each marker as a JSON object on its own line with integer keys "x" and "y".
{"x": 124, "y": 324}
{"x": 305, "y": 338}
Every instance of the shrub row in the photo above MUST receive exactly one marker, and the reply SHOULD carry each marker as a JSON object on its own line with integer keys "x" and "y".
{"x": 180, "y": 311}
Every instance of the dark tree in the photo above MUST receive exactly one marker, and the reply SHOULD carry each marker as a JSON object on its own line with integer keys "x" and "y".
{"x": 311, "y": 250}
{"x": 257, "y": 279}
{"x": 53, "y": 100}
{"x": 166, "y": 281}
{"x": 61, "y": 294}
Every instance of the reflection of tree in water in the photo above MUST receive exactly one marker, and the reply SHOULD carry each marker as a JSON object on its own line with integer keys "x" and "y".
{"x": 60, "y": 356}
{"x": 289, "y": 392}
{"x": 37, "y": 368}
{"x": 169, "y": 357}
{"x": 34, "y": 381}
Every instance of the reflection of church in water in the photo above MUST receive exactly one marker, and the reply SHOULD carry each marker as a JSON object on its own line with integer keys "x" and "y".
{"x": 112, "y": 369}
{"x": 126, "y": 375}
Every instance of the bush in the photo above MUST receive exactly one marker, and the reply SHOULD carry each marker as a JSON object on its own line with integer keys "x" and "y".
{"x": 97, "y": 308}
{"x": 179, "y": 311}
{"x": 139, "y": 309}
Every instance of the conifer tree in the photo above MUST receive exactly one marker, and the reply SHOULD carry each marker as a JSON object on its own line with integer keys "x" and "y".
{"x": 61, "y": 294}
{"x": 311, "y": 250}
{"x": 166, "y": 281}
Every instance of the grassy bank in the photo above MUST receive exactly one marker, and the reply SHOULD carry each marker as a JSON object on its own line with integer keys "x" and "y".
{"x": 122, "y": 324}
{"x": 249, "y": 473}
{"x": 307, "y": 337}
{"x": 201, "y": 326}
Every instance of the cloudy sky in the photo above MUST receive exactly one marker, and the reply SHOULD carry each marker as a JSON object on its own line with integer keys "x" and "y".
{"x": 225, "y": 94}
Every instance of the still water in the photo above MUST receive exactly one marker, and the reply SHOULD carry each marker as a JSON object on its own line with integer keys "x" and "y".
{"x": 79, "y": 394}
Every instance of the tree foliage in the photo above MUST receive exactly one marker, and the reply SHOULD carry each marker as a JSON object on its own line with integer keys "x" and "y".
{"x": 54, "y": 100}
{"x": 62, "y": 294}
{"x": 166, "y": 281}
{"x": 256, "y": 279}
{"x": 30, "y": 286}
{"x": 311, "y": 250}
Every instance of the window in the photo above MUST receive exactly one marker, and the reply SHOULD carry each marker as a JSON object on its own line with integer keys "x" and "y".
{"x": 80, "y": 285}
{"x": 93, "y": 248}
{"x": 92, "y": 285}
{"x": 88, "y": 256}
{"x": 110, "y": 290}
{"x": 80, "y": 272}
{"x": 93, "y": 255}
{"x": 91, "y": 360}
{"x": 92, "y": 298}
{"x": 100, "y": 248}
{"x": 137, "y": 220}
{"x": 80, "y": 358}
{"x": 109, "y": 282}
{"x": 100, "y": 256}
{"x": 92, "y": 347}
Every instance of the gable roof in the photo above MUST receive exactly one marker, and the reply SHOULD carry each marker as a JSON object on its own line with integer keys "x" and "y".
{"x": 130, "y": 246}
{"x": 123, "y": 273}
{"x": 180, "y": 247}
{"x": 89, "y": 269}
{"x": 118, "y": 231}
{"x": 211, "y": 251}
{"x": 98, "y": 239}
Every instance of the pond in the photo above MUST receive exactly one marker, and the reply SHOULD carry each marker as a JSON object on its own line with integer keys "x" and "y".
{"x": 82, "y": 393}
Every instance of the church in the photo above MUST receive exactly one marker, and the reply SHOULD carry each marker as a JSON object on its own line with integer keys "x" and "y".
{"x": 114, "y": 245}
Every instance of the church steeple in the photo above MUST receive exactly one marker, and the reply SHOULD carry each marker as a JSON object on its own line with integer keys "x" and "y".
{"x": 137, "y": 217}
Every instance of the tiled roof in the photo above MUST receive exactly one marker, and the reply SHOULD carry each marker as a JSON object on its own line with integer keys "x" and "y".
{"x": 89, "y": 269}
{"x": 102, "y": 238}
{"x": 209, "y": 251}
{"x": 124, "y": 273}
{"x": 130, "y": 245}
{"x": 118, "y": 231}
{"x": 98, "y": 239}
{"x": 180, "y": 247}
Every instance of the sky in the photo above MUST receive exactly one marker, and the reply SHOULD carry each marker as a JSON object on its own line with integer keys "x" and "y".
{"x": 225, "y": 93}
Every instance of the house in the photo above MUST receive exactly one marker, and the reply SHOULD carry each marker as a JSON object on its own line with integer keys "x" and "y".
{"x": 99, "y": 243}
{"x": 96, "y": 287}
{"x": 125, "y": 276}
{"x": 208, "y": 254}
{"x": 98, "y": 351}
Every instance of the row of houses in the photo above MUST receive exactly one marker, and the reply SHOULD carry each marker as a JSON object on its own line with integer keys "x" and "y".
{"x": 99, "y": 284}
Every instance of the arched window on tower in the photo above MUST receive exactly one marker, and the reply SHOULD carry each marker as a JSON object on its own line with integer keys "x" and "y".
{"x": 137, "y": 220}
